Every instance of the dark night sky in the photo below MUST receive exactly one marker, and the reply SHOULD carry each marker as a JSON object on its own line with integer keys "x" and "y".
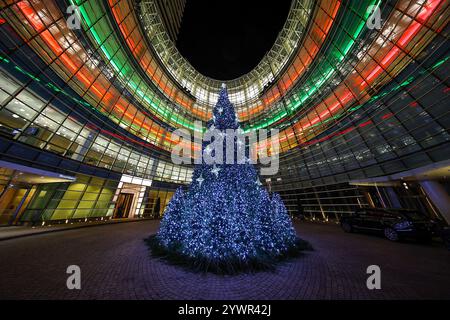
{"x": 226, "y": 39}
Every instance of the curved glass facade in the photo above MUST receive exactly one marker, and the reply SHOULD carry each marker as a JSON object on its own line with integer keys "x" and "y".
{"x": 97, "y": 104}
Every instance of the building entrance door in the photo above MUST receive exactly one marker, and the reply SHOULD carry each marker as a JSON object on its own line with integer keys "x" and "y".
{"x": 123, "y": 206}
{"x": 13, "y": 202}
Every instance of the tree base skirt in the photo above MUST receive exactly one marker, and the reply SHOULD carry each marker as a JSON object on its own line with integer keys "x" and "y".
{"x": 263, "y": 262}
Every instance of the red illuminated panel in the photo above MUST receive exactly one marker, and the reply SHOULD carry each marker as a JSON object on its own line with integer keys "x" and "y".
{"x": 99, "y": 88}
{"x": 396, "y": 50}
{"x": 325, "y": 16}
{"x": 349, "y": 91}
{"x": 135, "y": 41}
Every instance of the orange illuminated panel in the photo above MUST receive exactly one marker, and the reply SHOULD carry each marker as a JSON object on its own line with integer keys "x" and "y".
{"x": 92, "y": 80}
{"x": 343, "y": 96}
{"x": 132, "y": 34}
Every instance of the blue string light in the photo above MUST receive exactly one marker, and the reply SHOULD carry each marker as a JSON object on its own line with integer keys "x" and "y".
{"x": 226, "y": 214}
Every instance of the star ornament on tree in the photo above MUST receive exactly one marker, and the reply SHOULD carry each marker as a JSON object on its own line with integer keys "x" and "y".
{"x": 200, "y": 180}
{"x": 215, "y": 170}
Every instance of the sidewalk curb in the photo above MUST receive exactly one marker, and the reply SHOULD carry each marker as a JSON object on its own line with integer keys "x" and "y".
{"x": 87, "y": 225}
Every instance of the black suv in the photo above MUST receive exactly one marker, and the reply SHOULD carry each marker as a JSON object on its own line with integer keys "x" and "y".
{"x": 393, "y": 223}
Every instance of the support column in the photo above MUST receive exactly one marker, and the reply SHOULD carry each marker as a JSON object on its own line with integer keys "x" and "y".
{"x": 439, "y": 196}
{"x": 393, "y": 198}
{"x": 380, "y": 196}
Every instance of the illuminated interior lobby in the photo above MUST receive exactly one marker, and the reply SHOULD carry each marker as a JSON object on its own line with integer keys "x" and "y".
{"x": 89, "y": 98}
{"x": 86, "y": 114}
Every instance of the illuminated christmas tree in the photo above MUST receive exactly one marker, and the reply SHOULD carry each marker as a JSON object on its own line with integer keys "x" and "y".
{"x": 226, "y": 221}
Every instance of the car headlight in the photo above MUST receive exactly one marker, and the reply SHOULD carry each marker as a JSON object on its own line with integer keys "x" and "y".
{"x": 403, "y": 225}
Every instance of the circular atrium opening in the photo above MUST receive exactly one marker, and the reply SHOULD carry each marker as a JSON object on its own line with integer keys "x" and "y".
{"x": 224, "y": 40}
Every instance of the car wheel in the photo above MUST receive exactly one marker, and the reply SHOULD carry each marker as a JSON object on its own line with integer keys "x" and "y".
{"x": 347, "y": 227}
{"x": 391, "y": 234}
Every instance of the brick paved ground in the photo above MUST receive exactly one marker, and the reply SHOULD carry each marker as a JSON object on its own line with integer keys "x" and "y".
{"x": 115, "y": 264}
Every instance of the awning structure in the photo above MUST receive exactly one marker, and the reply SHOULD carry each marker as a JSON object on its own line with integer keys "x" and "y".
{"x": 434, "y": 171}
{"x": 24, "y": 174}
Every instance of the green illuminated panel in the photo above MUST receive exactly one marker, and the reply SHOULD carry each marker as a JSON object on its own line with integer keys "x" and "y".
{"x": 98, "y": 26}
{"x": 103, "y": 34}
{"x": 353, "y": 24}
